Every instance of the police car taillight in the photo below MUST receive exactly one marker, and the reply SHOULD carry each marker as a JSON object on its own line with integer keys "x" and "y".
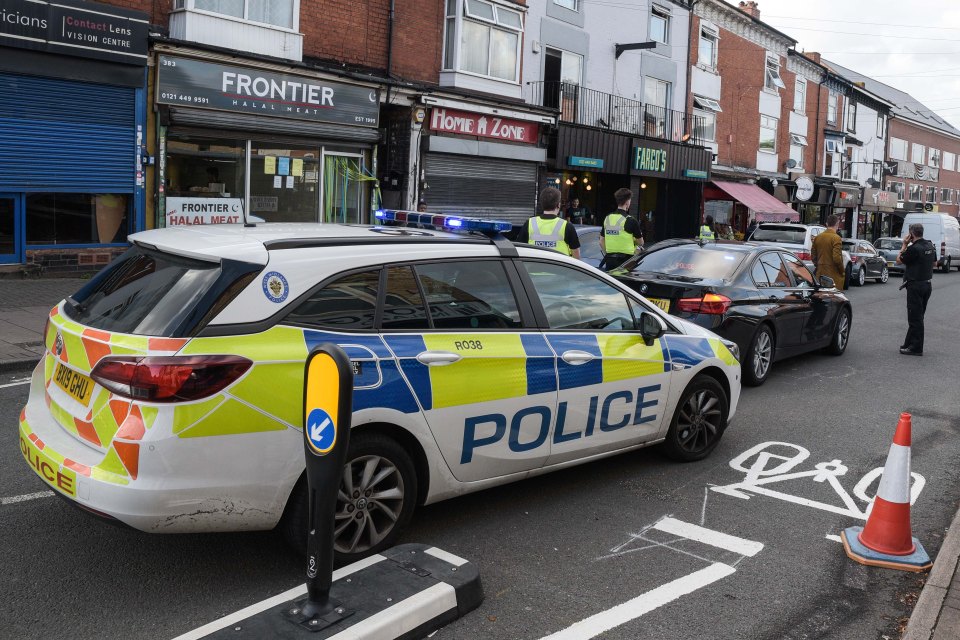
{"x": 440, "y": 221}
{"x": 168, "y": 378}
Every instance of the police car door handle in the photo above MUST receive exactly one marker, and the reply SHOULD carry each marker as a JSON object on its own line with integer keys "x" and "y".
{"x": 437, "y": 358}
{"x": 577, "y": 357}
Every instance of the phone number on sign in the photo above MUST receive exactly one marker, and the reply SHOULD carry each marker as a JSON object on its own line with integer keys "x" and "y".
{"x": 179, "y": 97}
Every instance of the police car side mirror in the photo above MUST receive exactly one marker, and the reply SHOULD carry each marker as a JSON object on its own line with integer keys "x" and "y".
{"x": 651, "y": 328}
{"x": 826, "y": 282}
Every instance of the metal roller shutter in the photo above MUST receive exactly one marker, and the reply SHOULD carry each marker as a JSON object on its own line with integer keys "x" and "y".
{"x": 481, "y": 187}
{"x": 65, "y": 136}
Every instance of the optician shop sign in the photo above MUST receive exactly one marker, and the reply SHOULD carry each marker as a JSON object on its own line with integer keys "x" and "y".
{"x": 483, "y": 125}
{"x": 71, "y": 27}
{"x": 211, "y": 85}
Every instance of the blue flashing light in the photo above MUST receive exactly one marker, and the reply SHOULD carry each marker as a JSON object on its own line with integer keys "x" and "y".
{"x": 454, "y": 223}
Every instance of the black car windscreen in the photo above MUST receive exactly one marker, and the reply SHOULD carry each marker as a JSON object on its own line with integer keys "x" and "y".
{"x": 691, "y": 261}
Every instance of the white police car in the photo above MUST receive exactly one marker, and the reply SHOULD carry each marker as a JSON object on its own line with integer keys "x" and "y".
{"x": 170, "y": 394}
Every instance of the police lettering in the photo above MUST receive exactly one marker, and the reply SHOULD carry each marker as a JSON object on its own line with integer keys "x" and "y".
{"x": 614, "y": 412}
{"x": 462, "y": 345}
{"x": 46, "y": 470}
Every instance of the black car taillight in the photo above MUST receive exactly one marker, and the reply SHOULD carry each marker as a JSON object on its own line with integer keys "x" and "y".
{"x": 168, "y": 378}
{"x": 710, "y": 304}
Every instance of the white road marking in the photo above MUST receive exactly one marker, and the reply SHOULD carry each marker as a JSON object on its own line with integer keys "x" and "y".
{"x": 642, "y": 604}
{"x": 708, "y": 536}
{"x": 15, "y": 383}
{"x": 26, "y": 496}
{"x": 833, "y": 537}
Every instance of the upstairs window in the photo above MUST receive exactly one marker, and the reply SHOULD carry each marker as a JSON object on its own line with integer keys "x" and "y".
{"x": 798, "y": 145}
{"x": 936, "y": 157}
{"x": 949, "y": 161}
{"x": 832, "y": 100}
{"x": 898, "y": 149}
{"x": 768, "y": 134}
{"x": 489, "y": 39}
{"x": 276, "y": 13}
{"x": 567, "y": 4}
{"x": 918, "y": 154}
{"x": 660, "y": 25}
{"x": 851, "y": 116}
{"x": 800, "y": 96}
{"x": 916, "y": 193}
{"x": 772, "y": 80}
{"x": 899, "y": 188}
{"x": 707, "y": 51}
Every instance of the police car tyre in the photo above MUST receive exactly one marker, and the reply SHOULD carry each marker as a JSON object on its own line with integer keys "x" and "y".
{"x": 759, "y": 360}
{"x": 884, "y": 276}
{"x": 861, "y": 277}
{"x": 375, "y": 502}
{"x": 698, "y": 422}
{"x": 841, "y": 334}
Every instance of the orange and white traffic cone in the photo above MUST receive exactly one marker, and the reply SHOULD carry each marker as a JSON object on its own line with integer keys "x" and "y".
{"x": 886, "y": 540}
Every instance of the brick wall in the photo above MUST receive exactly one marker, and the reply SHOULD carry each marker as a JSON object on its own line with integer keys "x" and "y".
{"x": 158, "y": 10}
{"x": 905, "y": 130}
{"x": 71, "y": 261}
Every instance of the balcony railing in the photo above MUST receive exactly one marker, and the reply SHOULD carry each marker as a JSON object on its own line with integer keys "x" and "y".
{"x": 589, "y": 108}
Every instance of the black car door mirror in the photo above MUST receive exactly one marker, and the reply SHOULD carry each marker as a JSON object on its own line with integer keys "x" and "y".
{"x": 651, "y": 327}
{"x": 826, "y": 282}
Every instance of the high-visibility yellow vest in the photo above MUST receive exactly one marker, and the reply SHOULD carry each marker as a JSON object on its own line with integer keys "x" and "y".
{"x": 706, "y": 233}
{"x": 616, "y": 239}
{"x": 549, "y": 233}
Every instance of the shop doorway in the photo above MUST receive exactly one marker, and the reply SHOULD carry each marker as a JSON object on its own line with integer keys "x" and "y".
{"x": 11, "y": 218}
{"x": 343, "y": 176}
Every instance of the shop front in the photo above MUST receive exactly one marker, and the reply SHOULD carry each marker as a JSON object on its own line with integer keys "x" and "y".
{"x": 481, "y": 160}
{"x": 734, "y": 204}
{"x": 261, "y": 144}
{"x": 846, "y": 205}
{"x": 879, "y": 216}
{"x": 72, "y": 122}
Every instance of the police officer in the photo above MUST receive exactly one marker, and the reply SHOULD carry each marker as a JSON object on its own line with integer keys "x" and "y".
{"x": 550, "y": 230}
{"x": 621, "y": 232}
{"x": 706, "y": 231}
{"x": 918, "y": 256}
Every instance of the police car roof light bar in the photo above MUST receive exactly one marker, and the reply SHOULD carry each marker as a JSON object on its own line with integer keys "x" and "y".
{"x": 450, "y": 223}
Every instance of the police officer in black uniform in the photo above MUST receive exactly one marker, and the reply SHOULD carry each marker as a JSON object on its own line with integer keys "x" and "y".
{"x": 918, "y": 256}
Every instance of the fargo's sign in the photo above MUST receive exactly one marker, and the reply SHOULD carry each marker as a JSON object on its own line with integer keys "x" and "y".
{"x": 483, "y": 125}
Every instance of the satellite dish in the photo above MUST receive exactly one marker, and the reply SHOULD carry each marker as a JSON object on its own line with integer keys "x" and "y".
{"x": 791, "y": 163}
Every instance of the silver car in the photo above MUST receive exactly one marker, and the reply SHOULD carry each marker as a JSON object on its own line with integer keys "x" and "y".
{"x": 889, "y": 249}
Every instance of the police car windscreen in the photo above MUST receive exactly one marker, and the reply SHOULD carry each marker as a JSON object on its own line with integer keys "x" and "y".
{"x": 786, "y": 235}
{"x": 145, "y": 292}
{"x": 691, "y": 261}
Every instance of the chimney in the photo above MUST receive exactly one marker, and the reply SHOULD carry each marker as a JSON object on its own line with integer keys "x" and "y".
{"x": 751, "y": 8}
{"x": 813, "y": 55}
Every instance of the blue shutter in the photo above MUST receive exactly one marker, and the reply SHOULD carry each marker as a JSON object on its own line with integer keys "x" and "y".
{"x": 65, "y": 136}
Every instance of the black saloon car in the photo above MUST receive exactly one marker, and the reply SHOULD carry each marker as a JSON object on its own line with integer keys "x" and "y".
{"x": 761, "y": 297}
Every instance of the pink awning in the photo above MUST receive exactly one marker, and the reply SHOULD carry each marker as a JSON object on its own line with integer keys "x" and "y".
{"x": 765, "y": 207}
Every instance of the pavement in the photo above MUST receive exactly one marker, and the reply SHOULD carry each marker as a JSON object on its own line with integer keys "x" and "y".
{"x": 24, "y": 305}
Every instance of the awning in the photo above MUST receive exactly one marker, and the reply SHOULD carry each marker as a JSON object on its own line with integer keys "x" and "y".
{"x": 765, "y": 207}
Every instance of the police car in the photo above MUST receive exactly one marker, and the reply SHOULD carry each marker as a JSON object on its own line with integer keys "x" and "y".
{"x": 170, "y": 394}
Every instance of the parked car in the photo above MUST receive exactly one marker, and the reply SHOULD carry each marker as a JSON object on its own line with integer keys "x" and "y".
{"x": 761, "y": 297}
{"x": 889, "y": 249}
{"x": 590, "y": 251}
{"x": 943, "y": 231}
{"x": 865, "y": 262}
{"x": 797, "y": 238}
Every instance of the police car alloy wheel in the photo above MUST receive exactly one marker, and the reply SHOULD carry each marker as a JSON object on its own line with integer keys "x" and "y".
{"x": 699, "y": 421}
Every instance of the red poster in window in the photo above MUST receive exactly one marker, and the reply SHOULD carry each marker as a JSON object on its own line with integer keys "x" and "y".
{"x": 483, "y": 125}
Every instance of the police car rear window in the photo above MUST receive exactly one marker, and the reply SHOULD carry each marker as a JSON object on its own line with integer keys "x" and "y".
{"x": 148, "y": 292}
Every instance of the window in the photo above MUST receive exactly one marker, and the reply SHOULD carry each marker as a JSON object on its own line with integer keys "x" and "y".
{"x": 403, "y": 306}
{"x": 850, "y": 165}
{"x": 898, "y": 149}
{"x": 578, "y": 301}
{"x": 916, "y": 193}
{"x": 469, "y": 295}
{"x": 297, "y": 167}
{"x": 949, "y": 161}
{"x": 656, "y": 95}
{"x": 660, "y": 25}
{"x": 768, "y": 134}
{"x": 707, "y": 103}
{"x": 936, "y": 157}
{"x": 918, "y": 154}
{"x": 774, "y": 273}
{"x": 343, "y": 192}
{"x": 566, "y": 4}
{"x": 881, "y": 126}
{"x": 772, "y": 80}
{"x": 801, "y": 275}
{"x": 832, "y": 155}
{"x": 851, "y": 116}
{"x": 450, "y": 35}
{"x": 489, "y": 40}
{"x": 832, "y": 100}
{"x": 931, "y": 195}
{"x": 800, "y": 96}
{"x": 278, "y": 13}
{"x": 899, "y": 188}
{"x": 77, "y": 218}
{"x": 348, "y": 303}
{"x": 946, "y": 196}
{"x": 705, "y": 125}
{"x": 707, "y": 52}
{"x": 798, "y": 145}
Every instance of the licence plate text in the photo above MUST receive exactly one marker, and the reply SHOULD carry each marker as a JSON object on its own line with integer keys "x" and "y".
{"x": 79, "y": 386}
{"x": 660, "y": 302}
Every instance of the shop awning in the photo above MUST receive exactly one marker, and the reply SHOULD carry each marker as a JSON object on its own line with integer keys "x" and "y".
{"x": 765, "y": 207}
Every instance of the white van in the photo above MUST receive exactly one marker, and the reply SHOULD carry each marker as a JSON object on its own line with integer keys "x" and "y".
{"x": 943, "y": 231}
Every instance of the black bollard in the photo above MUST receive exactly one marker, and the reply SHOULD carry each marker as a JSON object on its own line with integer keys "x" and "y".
{"x": 328, "y": 408}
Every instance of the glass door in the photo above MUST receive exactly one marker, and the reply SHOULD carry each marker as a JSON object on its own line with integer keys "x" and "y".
{"x": 342, "y": 188}
{"x": 11, "y": 214}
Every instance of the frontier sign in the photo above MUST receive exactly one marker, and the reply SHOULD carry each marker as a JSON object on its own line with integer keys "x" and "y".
{"x": 484, "y": 126}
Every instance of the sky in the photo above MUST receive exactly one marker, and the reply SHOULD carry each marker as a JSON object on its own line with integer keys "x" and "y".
{"x": 913, "y": 45}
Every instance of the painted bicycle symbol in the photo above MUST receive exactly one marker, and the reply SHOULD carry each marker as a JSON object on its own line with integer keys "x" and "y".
{"x": 769, "y": 463}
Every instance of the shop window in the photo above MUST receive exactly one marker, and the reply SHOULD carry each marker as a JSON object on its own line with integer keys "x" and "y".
{"x": 77, "y": 218}
{"x": 768, "y": 134}
{"x": 916, "y": 193}
{"x": 284, "y": 182}
{"x": 800, "y": 96}
{"x": 918, "y": 154}
{"x": 931, "y": 195}
{"x": 343, "y": 178}
{"x": 489, "y": 42}
{"x": 205, "y": 168}
{"x": 660, "y": 25}
{"x": 707, "y": 51}
{"x": 276, "y": 13}
{"x": 898, "y": 149}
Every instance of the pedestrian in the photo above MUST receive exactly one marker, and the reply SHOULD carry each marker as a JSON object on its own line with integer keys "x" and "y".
{"x": 706, "y": 231}
{"x": 621, "y": 233}
{"x": 827, "y": 253}
{"x": 751, "y": 228}
{"x": 576, "y": 213}
{"x": 422, "y": 207}
{"x": 550, "y": 230}
{"x": 917, "y": 256}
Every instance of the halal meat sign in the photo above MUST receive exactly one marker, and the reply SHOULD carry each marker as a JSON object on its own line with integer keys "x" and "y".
{"x": 483, "y": 126}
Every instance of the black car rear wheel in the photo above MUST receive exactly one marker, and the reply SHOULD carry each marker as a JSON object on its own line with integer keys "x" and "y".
{"x": 698, "y": 422}
{"x": 861, "y": 277}
{"x": 759, "y": 357}
{"x": 841, "y": 334}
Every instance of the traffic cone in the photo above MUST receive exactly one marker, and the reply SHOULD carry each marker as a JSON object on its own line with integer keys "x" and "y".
{"x": 886, "y": 541}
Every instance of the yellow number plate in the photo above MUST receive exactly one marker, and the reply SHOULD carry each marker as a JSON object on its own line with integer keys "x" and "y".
{"x": 79, "y": 386}
{"x": 63, "y": 480}
{"x": 660, "y": 302}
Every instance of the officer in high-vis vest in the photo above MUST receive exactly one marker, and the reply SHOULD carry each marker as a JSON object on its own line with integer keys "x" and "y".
{"x": 549, "y": 229}
{"x": 621, "y": 233}
{"x": 706, "y": 231}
